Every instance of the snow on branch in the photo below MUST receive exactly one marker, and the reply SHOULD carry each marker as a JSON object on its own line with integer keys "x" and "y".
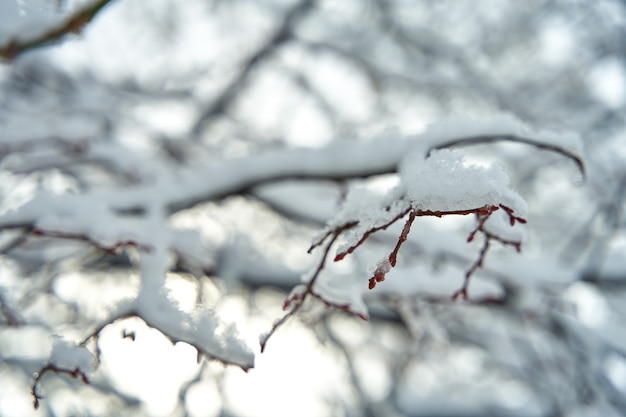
{"x": 38, "y": 31}
{"x": 433, "y": 181}
{"x": 65, "y": 358}
{"x": 134, "y": 216}
{"x": 204, "y": 332}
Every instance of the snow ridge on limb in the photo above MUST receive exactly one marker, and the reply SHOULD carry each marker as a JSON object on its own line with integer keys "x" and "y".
{"x": 203, "y": 330}
{"x": 436, "y": 181}
{"x": 504, "y": 128}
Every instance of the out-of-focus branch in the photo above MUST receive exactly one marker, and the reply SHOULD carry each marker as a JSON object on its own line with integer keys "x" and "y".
{"x": 74, "y": 373}
{"x": 476, "y": 140}
{"x": 74, "y": 24}
{"x": 230, "y": 92}
{"x": 9, "y": 315}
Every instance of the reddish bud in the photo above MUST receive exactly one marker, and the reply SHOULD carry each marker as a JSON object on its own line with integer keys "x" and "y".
{"x": 340, "y": 256}
{"x": 507, "y": 209}
{"x": 379, "y": 277}
{"x": 372, "y": 283}
{"x": 519, "y": 219}
{"x": 37, "y": 232}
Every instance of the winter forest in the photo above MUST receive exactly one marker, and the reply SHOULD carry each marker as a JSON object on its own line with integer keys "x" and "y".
{"x": 377, "y": 208}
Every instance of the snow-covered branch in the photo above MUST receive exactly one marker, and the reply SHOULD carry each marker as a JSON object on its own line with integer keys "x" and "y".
{"x": 49, "y": 30}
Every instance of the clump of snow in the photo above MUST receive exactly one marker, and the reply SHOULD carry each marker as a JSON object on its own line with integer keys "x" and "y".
{"x": 363, "y": 203}
{"x": 382, "y": 267}
{"x": 203, "y": 330}
{"x": 434, "y": 178}
{"x": 370, "y": 209}
{"x": 446, "y": 181}
{"x": 501, "y": 125}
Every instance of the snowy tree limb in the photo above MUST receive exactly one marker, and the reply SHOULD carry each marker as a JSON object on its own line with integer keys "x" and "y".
{"x": 73, "y": 24}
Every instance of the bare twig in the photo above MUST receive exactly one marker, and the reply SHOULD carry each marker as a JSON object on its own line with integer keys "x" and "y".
{"x": 370, "y": 232}
{"x": 296, "y": 300}
{"x": 468, "y": 274}
{"x": 74, "y": 373}
{"x": 482, "y": 213}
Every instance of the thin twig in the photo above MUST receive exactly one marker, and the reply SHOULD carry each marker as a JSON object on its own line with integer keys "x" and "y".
{"x": 468, "y": 274}
{"x": 296, "y": 301}
{"x": 74, "y": 373}
{"x": 370, "y": 232}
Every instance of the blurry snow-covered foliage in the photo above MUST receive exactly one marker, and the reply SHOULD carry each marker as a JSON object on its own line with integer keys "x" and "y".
{"x": 166, "y": 165}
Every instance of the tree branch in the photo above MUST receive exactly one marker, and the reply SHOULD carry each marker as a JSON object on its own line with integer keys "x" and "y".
{"x": 296, "y": 300}
{"x": 229, "y": 93}
{"x": 475, "y": 140}
{"x": 74, "y": 24}
{"x": 74, "y": 373}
